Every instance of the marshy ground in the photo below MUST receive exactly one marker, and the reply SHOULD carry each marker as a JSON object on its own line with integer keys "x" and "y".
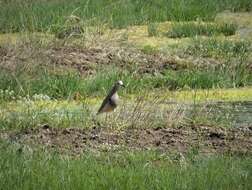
{"x": 184, "y": 120}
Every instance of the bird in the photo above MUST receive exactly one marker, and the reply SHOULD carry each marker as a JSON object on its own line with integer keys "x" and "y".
{"x": 112, "y": 99}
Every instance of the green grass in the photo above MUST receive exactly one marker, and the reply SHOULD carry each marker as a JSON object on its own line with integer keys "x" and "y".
{"x": 191, "y": 29}
{"x": 32, "y": 112}
{"x": 51, "y": 15}
{"x": 152, "y": 29}
{"x": 217, "y": 48}
{"x": 124, "y": 170}
{"x": 65, "y": 85}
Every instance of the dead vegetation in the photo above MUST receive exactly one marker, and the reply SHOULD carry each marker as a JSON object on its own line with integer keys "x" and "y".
{"x": 87, "y": 60}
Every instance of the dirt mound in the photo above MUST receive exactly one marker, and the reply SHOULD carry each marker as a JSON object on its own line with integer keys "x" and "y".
{"x": 86, "y": 60}
{"x": 76, "y": 141}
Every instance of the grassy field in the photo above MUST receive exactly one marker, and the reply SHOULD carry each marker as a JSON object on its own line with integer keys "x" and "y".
{"x": 50, "y": 15}
{"x": 124, "y": 170}
{"x": 184, "y": 117}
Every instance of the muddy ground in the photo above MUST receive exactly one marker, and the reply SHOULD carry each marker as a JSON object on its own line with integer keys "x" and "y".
{"x": 205, "y": 139}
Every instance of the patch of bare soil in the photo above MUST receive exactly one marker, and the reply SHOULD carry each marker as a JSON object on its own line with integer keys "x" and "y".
{"x": 76, "y": 140}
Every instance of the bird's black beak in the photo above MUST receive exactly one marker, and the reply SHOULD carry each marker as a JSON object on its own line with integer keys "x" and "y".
{"x": 123, "y": 86}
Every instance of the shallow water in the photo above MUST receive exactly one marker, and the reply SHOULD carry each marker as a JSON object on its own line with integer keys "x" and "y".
{"x": 238, "y": 113}
{"x": 242, "y": 113}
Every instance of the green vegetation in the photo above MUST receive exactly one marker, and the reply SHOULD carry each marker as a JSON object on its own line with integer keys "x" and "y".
{"x": 190, "y": 29}
{"x": 213, "y": 47}
{"x": 22, "y": 169}
{"x": 152, "y": 29}
{"x": 51, "y": 15}
{"x": 29, "y": 113}
{"x": 66, "y": 84}
{"x": 183, "y": 121}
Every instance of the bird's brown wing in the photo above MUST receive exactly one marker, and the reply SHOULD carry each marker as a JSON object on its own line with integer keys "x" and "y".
{"x": 105, "y": 101}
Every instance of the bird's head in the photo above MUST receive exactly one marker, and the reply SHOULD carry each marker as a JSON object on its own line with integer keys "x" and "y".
{"x": 120, "y": 83}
